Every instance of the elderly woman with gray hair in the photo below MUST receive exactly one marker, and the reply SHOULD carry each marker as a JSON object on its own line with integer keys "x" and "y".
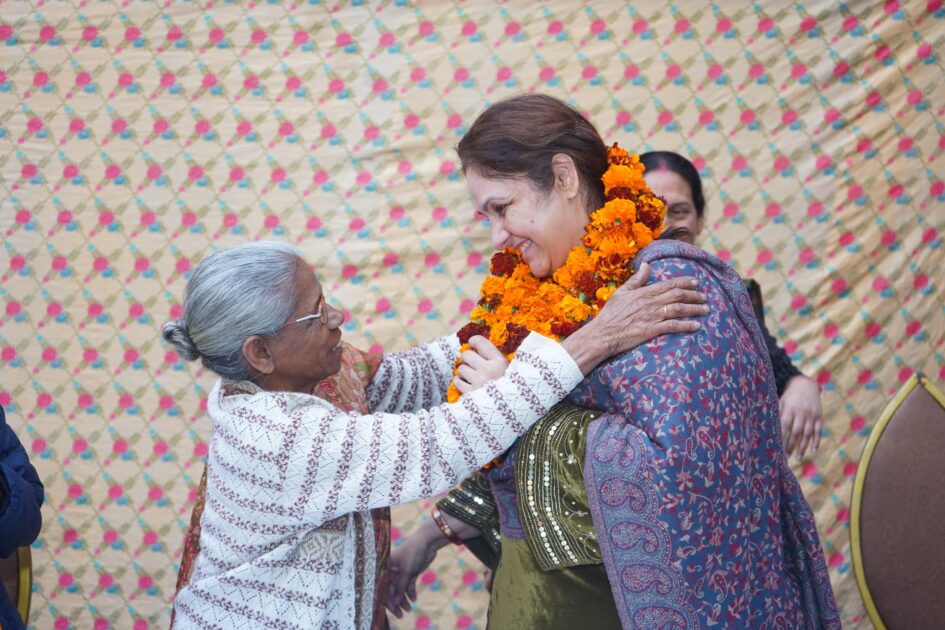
{"x": 285, "y": 535}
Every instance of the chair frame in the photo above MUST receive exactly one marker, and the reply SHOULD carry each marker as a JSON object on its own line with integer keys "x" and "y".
{"x": 24, "y": 559}
{"x": 916, "y": 380}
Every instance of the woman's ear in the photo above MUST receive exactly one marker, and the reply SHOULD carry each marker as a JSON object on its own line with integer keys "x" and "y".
{"x": 567, "y": 180}
{"x": 258, "y": 354}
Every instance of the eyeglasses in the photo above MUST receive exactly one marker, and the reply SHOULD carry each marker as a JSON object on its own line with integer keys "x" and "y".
{"x": 322, "y": 314}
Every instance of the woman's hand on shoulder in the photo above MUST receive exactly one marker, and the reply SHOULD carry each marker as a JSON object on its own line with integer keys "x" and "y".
{"x": 637, "y": 313}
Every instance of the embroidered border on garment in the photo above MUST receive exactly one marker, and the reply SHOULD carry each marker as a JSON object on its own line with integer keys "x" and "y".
{"x": 549, "y": 481}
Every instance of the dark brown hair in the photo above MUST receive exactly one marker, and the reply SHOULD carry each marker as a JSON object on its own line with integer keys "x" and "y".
{"x": 518, "y": 137}
{"x": 675, "y": 163}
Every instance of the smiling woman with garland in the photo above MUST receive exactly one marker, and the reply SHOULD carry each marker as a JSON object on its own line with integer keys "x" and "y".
{"x": 658, "y": 495}
{"x": 514, "y": 301}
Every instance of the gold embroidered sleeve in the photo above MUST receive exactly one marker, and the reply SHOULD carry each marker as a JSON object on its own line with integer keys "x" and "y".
{"x": 472, "y": 502}
{"x": 549, "y": 481}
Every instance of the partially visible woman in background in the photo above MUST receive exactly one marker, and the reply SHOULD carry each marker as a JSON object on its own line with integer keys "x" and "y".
{"x": 676, "y": 180}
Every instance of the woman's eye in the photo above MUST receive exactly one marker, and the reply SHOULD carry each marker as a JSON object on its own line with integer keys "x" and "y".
{"x": 498, "y": 211}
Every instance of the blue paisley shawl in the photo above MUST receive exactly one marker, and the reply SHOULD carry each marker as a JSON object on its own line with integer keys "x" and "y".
{"x": 700, "y": 520}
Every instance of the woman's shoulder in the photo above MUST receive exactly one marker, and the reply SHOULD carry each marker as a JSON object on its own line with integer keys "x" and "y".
{"x": 671, "y": 258}
{"x": 238, "y": 398}
{"x": 672, "y": 250}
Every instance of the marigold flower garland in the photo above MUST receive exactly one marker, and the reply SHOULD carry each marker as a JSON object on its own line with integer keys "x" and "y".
{"x": 514, "y": 302}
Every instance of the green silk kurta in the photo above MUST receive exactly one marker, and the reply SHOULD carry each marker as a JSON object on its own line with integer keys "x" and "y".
{"x": 555, "y": 577}
{"x": 524, "y": 597}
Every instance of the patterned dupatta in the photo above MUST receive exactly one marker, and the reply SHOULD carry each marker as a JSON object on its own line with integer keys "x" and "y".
{"x": 346, "y": 390}
{"x": 700, "y": 520}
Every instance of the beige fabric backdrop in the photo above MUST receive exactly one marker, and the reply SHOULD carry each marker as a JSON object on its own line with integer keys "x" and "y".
{"x": 137, "y": 137}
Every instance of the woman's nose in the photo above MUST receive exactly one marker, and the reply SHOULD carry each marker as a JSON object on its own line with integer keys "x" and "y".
{"x": 500, "y": 236}
{"x": 335, "y": 317}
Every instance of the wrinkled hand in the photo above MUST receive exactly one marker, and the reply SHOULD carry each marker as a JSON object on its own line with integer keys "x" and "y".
{"x": 483, "y": 362}
{"x": 802, "y": 418}
{"x": 407, "y": 562}
{"x": 636, "y": 313}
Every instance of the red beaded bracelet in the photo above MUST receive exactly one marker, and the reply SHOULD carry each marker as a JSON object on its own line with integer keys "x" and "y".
{"x": 445, "y": 528}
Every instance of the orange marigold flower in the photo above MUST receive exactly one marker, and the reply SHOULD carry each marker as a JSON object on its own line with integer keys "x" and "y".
{"x": 616, "y": 212}
{"x": 574, "y": 309}
{"x": 604, "y": 293}
{"x": 551, "y": 293}
{"x": 517, "y": 294}
{"x": 522, "y": 273}
{"x": 617, "y": 155}
{"x": 564, "y": 276}
{"x": 498, "y": 335}
{"x": 591, "y": 239}
{"x": 642, "y": 235}
{"x": 479, "y": 314}
{"x": 619, "y": 175}
{"x": 529, "y": 321}
{"x": 492, "y": 285}
{"x": 580, "y": 259}
{"x": 502, "y": 312}
{"x": 610, "y": 246}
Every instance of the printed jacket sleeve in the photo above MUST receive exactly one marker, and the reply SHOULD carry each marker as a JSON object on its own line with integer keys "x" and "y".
{"x": 414, "y": 379}
{"x": 298, "y": 458}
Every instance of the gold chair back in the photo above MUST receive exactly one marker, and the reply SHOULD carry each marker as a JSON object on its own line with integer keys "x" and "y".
{"x": 16, "y": 573}
{"x": 897, "y": 515}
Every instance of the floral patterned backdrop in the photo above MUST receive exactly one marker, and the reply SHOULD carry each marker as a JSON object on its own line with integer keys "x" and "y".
{"x": 136, "y": 137}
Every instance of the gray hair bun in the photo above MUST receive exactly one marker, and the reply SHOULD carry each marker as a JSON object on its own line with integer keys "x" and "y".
{"x": 175, "y": 333}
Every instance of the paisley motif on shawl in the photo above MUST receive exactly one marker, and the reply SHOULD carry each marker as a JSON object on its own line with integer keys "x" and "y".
{"x": 699, "y": 518}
